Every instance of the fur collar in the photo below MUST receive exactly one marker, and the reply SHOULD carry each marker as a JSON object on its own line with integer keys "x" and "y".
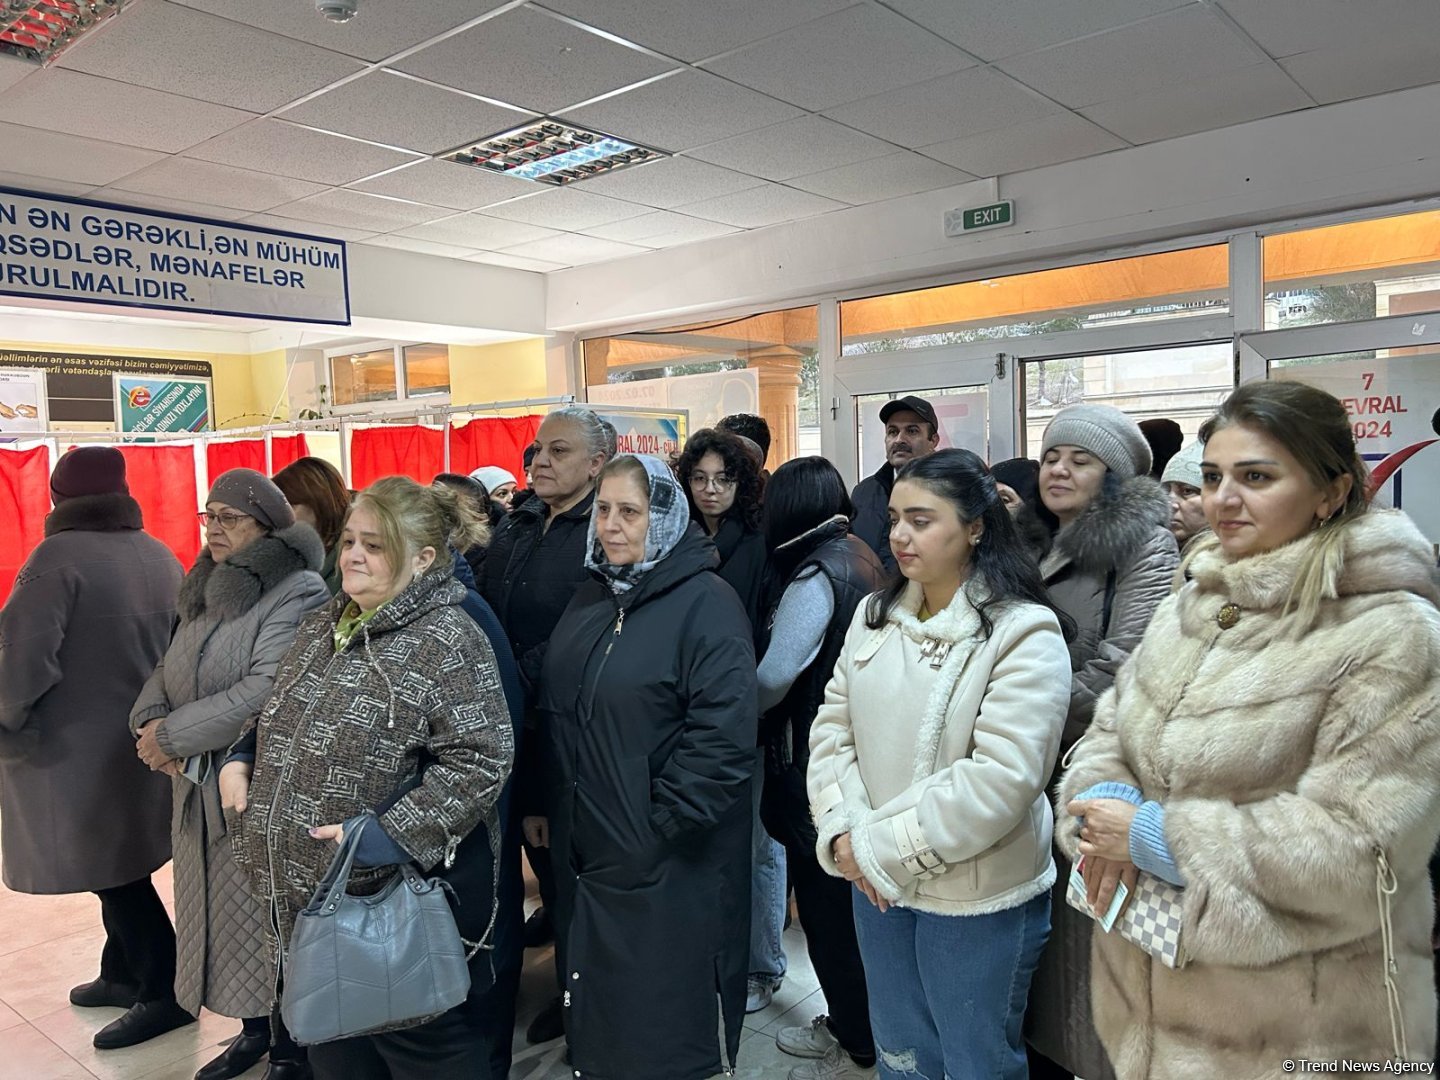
{"x": 1384, "y": 552}
{"x": 95, "y": 513}
{"x": 1113, "y": 527}
{"x": 233, "y": 587}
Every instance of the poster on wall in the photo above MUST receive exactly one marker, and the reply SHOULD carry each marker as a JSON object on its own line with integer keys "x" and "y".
{"x": 22, "y": 402}
{"x": 706, "y": 397}
{"x": 147, "y": 404}
{"x": 80, "y": 389}
{"x": 647, "y": 431}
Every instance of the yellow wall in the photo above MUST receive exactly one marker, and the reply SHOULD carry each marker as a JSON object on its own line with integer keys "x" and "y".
{"x": 509, "y": 371}
{"x": 267, "y": 376}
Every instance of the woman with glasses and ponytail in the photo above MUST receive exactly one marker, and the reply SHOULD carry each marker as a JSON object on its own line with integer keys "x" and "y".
{"x": 722, "y": 481}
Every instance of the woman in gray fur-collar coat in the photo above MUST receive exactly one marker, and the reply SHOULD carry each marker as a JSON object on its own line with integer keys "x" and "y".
{"x": 240, "y": 607}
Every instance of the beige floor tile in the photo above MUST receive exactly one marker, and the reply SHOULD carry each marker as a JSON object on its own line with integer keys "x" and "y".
{"x": 72, "y": 1029}
{"x": 34, "y": 920}
{"x": 9, "y": 1017}
{"x": 185, "y": 1068}
{"x": 37, "y": 981}
{"x": 26, "y": 1053}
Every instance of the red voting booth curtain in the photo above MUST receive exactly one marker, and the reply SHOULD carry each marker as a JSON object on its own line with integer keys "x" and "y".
{"x": 162, "y": 481}
{"x": 413, "y": 451}
{"x": 499, "y": 440}
{"x": 221, "y": 457}
{"x": 24, "y": 501}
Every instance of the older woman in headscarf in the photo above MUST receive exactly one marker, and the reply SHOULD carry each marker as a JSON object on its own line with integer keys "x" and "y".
{"x": 648, "y": 702}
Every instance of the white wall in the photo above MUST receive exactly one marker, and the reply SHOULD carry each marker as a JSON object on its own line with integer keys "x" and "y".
{"x": 404, "y": 286}
{"x": 1360, "y": 153}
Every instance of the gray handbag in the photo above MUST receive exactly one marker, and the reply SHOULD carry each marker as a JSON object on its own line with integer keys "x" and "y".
{"x": 359, "y": 964}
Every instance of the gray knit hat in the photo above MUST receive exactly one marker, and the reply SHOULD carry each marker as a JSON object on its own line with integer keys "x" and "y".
{"x": 1104, "y": 431}
{"x": 1184, "y": 467}
{"x": 250, "y": 492}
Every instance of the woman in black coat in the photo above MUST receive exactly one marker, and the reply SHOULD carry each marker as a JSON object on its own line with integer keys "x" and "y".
{"x": 648, "y": 705}
{"x": 723, "y": 482}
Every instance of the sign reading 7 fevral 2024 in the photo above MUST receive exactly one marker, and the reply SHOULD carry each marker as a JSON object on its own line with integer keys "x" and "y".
{"x": 58, "y": 248}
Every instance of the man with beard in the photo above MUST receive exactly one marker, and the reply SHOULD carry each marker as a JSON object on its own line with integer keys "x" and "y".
{"x": 911, "y": 432}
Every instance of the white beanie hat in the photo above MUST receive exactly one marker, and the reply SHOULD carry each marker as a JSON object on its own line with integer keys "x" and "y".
{"x": 1104, "y": 431}
{"x": 492, "y": 476}
{"x": 1184, "y": 467}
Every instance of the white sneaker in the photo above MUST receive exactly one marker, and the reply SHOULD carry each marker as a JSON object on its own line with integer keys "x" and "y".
{"x": 759, "y": 992}
{"x": 814, "y": 1040}
{"x": 835, "y": 1065}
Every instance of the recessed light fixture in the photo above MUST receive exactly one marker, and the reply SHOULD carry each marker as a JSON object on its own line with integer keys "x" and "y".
{"x": 42, "y": 31}
{"x": 551, "y": 152}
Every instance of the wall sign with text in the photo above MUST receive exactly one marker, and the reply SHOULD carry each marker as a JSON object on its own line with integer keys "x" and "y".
{"x": 162, "y": 404}
{"x": 81, "y": 388}
{"x": 22, "y": 401}
{"x": 58, "y": 248}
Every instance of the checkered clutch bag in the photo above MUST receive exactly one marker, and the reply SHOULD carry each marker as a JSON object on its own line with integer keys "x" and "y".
{"x": 1150, "y": 921}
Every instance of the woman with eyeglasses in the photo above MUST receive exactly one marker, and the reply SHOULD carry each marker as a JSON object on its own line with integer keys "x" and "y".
{"x": 240, "y": 607}
{"x": 722, "y": 480}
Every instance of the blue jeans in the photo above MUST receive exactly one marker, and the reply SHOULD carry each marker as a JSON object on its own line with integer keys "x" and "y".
{"x": 767, "y": 898}
{"x": 947, "y": 992}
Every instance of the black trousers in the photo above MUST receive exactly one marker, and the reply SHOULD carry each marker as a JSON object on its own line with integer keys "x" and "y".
{"x": 493, "y": 1009}
{"x": 450, "y": 1047}
{"x": 531, "y": 797}
{"x": 139, "y": 940}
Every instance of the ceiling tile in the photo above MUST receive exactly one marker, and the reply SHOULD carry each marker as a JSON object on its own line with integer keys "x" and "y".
{"x": 42, "y": 184}
{"x": 444, "y": 183}
{"x": 950, "y": 107}
{"x": 475, "y": 231}
{"x": 165, "y": 204}
{"x": 273, "y": 146}
{"x": 424, "y": 247}
{"x": 82, "y": 104}
{"x": 13, "y": 69}
{"x": 994, "y": 29}
{"x": 685, "y": 110}
{"x": 529, "y": 59}
{"x": 357, "y": 210}
{"x": 689, "y": 234}
{"x": 695, "y": 31}
{"x": 1362, "y": 68}
{"x": 168, "y": 47}
{"x": 781, "y": 151}
{"x": 330, "y": 232}
{"x": 69, "y": 158}
{"x": 383, "y": 28}
{"x": 223, "y": 185}
{"x": 852, "y": 54}
{"x": 391, "y": 109}
{"x": 1189, "y": 43}
{"x": 670, "y": 182}
{"x": 768, "y": 205}
{"x": 1066, "y": 137}
{"x": 1202, "y": 105}
{"x": 879, "y": 179}
{"x": 640, "y": 228}
{"x": 572, "y": 250}
{"x": 515, "y": 262}
{"x": 1288, "y": 27}
{"x": 566, "y": 208}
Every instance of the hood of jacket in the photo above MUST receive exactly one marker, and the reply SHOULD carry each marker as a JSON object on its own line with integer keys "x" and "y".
{"x": 1114, "y": 526}
{"x": 233, "y": 587}
{"x": 694, "y": 554}
{"x": 436, "y": 588}
{"x": 95, "y": 513}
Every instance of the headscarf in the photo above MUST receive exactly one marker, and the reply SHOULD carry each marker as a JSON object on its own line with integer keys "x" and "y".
{"x": 669, "y": 518}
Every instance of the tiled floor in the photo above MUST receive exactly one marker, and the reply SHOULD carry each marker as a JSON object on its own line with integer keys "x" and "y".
{"x": 50, "y": 943}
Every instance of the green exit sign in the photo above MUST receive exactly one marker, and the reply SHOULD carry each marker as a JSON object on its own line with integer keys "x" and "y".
{"x": 995, "y": 216}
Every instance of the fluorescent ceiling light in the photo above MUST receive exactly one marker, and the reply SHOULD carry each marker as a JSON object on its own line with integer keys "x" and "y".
{"x": 42, "y": 31}
{"x": 551, "y": 152}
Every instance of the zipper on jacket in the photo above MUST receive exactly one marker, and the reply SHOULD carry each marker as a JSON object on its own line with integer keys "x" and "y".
{"x": 619, "y": 625}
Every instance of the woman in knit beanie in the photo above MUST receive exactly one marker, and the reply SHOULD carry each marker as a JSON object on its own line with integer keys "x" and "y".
{"x": 1182, "y": 483}
{"x": 1111, "y": 564}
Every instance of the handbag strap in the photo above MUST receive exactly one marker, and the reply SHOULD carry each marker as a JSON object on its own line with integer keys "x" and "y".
{"x": 332, "y": 886}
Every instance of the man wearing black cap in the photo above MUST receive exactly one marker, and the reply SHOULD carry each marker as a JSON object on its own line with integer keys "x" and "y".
{"x": 911, "y": 431}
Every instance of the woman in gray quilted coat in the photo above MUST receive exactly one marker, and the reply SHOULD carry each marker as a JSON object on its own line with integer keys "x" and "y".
{"x": 239, "y": 609}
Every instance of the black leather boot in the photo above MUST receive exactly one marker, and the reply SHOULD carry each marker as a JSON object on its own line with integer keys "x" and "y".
{"x": 103, "y": 992}
{"x": 146, "y": 1020}
{"x": 243, "y": 1052}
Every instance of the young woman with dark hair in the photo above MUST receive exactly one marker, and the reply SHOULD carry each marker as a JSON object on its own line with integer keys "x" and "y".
{"x": 928, "y": 765}
{"x": 321, "y": 500}
{"x": 722, "y": 483}
{"x": 819, "y": 575}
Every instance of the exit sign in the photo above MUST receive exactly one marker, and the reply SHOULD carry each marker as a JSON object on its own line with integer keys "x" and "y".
{"x": 995, "y": 216}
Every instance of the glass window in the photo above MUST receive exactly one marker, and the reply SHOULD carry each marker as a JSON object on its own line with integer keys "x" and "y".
{"x": 427, "y": 370}
{"x": 366, "y": 376}
{"x": 1347, "y": 273}
{"x": 1145, "y": 288}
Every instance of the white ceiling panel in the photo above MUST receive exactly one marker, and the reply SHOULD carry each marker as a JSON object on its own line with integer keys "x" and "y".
{"x": 1288, "y": 27}
{"x": 444, "y": 183}
{"x": 424, "y": 247}
{"x": 883, "y": 178}
{"x": 382, "y": 29}
{"x": 994, "y": 29}
{"x": 571, "y": 249}
{"x": 68, "y": 157}
{"x": 532, "y": 60}
{"x": 768, "y": 205}
{"x": 950, "y": 107}
{"x": 855, "y": 53}
{"x": 274, "y": 146}
{"x": 695, "y": 31}
{"x": 1189, "y": 43}
{"x": 565, "y": 208}
{"x": 80, "y": 104}
{"x": 168, "y": 47}
{"x": 391, "y": 109}
{"x": 223, "y": 185}
{"x": 515, "y": 262}
{"x": 42, "y": 184}
{"x": 662, "y": 224}
{"x": 1066, "y": 137}
{"x": 685, "y": 110}
{"x": 795, "y": 147}
{"x": 165, "y": 204}
{"x": 475, "y": 231}
{"x": 689, "y": 234}
{"x": 670, "y": 182}
{"x": 1202, "y": 105}
{"x": 1366, "y": 67}
{"x": 13, "y": 69}
{"x": 330, "y": 232}
{"x": 357, "y": 210}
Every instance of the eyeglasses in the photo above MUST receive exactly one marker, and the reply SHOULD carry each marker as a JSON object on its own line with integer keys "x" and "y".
{"x": 699, "y": 481}
{"x": 227, "y": 519}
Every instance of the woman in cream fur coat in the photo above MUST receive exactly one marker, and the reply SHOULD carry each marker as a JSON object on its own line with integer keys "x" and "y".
{"x": 928, "y": 764}
{"x": 1273, "y": 749}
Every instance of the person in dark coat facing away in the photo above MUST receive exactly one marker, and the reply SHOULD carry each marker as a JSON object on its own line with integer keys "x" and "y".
{"x": 912, "y": 431}
{"x": 648, "y": 700}
{"x": 88, "y": 621}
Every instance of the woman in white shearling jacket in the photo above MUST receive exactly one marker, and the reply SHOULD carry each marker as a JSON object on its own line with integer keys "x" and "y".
{"x": 928, "y": 765}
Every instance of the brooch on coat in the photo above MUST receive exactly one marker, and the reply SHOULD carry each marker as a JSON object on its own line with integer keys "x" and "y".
{"x": 1228, "y": 616}
{"x": 935, "y": 651}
